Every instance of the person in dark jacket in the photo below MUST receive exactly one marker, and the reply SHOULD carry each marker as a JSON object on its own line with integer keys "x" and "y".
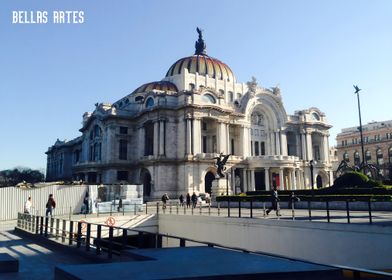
{"x": 274, "y": 202}
{"x": 194, "y": 200}
{"x": 181, "y": 199}
{"x": 50, "y": 205}
{"x": 188, "y": 200}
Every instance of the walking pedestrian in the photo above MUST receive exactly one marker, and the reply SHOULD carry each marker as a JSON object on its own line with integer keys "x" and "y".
{"x": 274, "y": 202}
{"x": 27, "y": 206}
{"x": 50, "y": 205}
{"x": 194, "y": 200}
{"x": 165, "y": 198}
{"x": 292, "y": 199}
{"x": 188, "y": 200}
{"x": 181, "y": 198}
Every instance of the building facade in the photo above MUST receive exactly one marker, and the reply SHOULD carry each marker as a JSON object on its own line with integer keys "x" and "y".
{"x": 377, "y": 140}
{"x": 166, "y": 134}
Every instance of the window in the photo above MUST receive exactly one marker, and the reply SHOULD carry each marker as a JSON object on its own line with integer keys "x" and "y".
{"x": 205, "y": 126}
{"x": 316, "y": 152}
{"x": 315, "y": 117}
{"x": 123, "y": 149}
{"x": 204, "y": 144}
{"x": 368, "y": 155}
{"x": 390, "y": 155}
{"x": 149, "y": 139}
{"x": 251, "y": 148}
{"x": 262, "y": 150}
{"x": 380, "y": 160}
{"x": 122, "y": 175}
{"x": 232, "y": 146}
{"x": 139, "y": 98}
{"x": 342, "y": 142}
{"x": 231, "y": 96}
{"x": 357, "y": 159}
{"x": 97, "y": 131}
{"x": 208, "y": 98}
{"x": 256, "y": 148}
{"x": 123, "y": 130}
{"x": 149, "y": 102}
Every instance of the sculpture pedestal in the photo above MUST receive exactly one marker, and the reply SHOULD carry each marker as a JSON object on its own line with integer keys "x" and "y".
{"x": 219, "y": 187}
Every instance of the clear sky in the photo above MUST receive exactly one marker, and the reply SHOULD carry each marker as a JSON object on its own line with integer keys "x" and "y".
{"x": 50, "y": 74}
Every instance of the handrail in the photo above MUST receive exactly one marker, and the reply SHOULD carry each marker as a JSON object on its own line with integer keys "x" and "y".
{"x": 22, "y": 218}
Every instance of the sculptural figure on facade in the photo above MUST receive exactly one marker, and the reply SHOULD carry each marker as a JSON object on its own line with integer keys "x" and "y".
{"x": 220, "y": 164}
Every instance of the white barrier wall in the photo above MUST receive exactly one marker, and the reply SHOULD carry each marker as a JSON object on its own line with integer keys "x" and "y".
{"x": 66, "y": 196}
{"x": 364, "y": 246}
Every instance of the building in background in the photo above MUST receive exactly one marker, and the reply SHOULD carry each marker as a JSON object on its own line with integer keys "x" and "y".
{"x": 166, "y": 134}
{"x": 377, "y": 139}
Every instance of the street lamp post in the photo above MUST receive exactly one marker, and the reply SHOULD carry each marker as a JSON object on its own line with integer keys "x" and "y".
{"x": 357, "y": 90}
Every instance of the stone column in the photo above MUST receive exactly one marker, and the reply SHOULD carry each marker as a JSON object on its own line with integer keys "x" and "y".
{"x": 283, "y": 141}
{"x": 303, "y": 150}
{"x": 281, "y": 179}
{"x": 156, "y": 138}
{"x": 245, "y": 141}
{"x": 188, "y": 136}
{"x": 141, "y": 141}
{"x": 298, "y": 145}
{"x": 309, "y": 146}
{"x": 196, "y": 136}
{"x": 277, "y": 142}
{"x": 326, "y": 148}
{"x": 293, "y": 180}
{"x": 267, "y": 179}
{"x": 221, "y": 138}
{"x": 161, "y": 137}
{"x": 244, "y": 180}
{"x": 228, "y": 150}
{"x": 252, "y": 179}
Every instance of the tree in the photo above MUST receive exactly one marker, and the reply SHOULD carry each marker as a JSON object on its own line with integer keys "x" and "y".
{"x": 12, "y": 177}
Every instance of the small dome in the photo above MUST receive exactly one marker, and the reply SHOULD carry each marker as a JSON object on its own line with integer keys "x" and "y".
{"x": 204, "y": 65}
{"x": 159, "y": 85}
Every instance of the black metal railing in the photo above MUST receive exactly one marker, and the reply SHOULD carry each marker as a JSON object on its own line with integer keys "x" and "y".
{"x": 84, "y": 234}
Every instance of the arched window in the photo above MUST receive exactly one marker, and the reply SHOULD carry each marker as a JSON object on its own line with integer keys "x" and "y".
{"x": 368, "y": 155}
{"x": 390, "y": 155}
{"x": 97, "y": 131}
{"x": 380, "y": 160}
{"x": 139, "y": 98}
{"x": 315, "y": 117}
{"x": 231, "y": 96}
{"x": 208, "y": 98}
{"x": 345, "y": 157}
{"x": 149, "y": 102}
{"x": 357, "y": 159}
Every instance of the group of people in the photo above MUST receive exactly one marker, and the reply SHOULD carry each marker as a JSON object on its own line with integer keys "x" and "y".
{"x": 50, "y": 205}
{"x": 188, "y": 199}
{"x": 275, "y": 201}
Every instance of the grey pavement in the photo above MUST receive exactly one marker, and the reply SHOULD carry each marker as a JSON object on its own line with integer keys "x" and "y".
{"x": 35, "y": 261}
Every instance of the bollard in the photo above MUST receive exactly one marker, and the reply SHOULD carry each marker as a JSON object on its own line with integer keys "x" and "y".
{"x": 157, "y": 207}
{"x": 200, "y": 208}
{"x": 192, "y": 209}
{"x": 218, "y": 208}
{"x": 51, "y": 224}
{"x": 184, "y": 210}
{"x": 209, "y": 209}
{"x": 292, "y": 210}
{"x": 177, "y": 208}
{"x": 123, "y": 210}
{"x": 370, "y": 211}
{"x": 310, "y": 211}
{"x": 264, "y": 211}
{"x": 228, "y": 207}
{"x": 170, "y": 207}
{"x": 348, "y": 211}
{"x": 327, "y": 207}
{"x": 146, "y": 208}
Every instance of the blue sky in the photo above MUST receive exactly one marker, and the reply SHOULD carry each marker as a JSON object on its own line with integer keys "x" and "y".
{"x": 315, "y": 50}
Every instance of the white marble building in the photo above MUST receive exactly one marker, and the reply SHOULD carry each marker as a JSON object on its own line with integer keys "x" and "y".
{"x": 165, "y": 135}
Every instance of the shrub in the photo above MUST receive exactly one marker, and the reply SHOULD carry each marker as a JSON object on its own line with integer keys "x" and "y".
{"x": 351, "y": 180}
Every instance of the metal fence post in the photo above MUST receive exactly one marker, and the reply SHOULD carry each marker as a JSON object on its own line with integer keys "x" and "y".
{"x": 177, "y": 208}
{"x": 310, "y": 210}
{"x": 251, "y": 208}
{"x": 36, "y": 224}
{"x": 264, "y": 211}
{"x": 209, "y": 209}
{"x": 134, "y": 209}
{"x": 46, "y": 226}
{"x": 146, "y": 208}
{"x": 88, "y": 235}
{"x": 182, "y": 242}
{"x": 228, "y": 207}
{"x": 41, "y": 228}
{"x": 200, "y": 208}
{"x": 70, "y": 232}
{"x": 158, "y": 240}
{"x": 98, "y": 240}
{"x": 239, "y": 208}
{"x": 79, "y": 235}
{"x": 110, "y": 245}
{"x": 327, "y": 206}
{"x": 57, "y": 228}
{"x": 218, "y": 208}
{"x": 370, "y": 211}
{"x": 292, "y": 209}
{"x": 157, "y": 207}
{"x": 70, "y": 213}
{"x": 348, "y": 211}
{"x": 125, "y": 238}
{"x": 64, "y": 231}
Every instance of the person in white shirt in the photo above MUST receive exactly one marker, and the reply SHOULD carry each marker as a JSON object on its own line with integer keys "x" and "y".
{"x": 27, "y": 206}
